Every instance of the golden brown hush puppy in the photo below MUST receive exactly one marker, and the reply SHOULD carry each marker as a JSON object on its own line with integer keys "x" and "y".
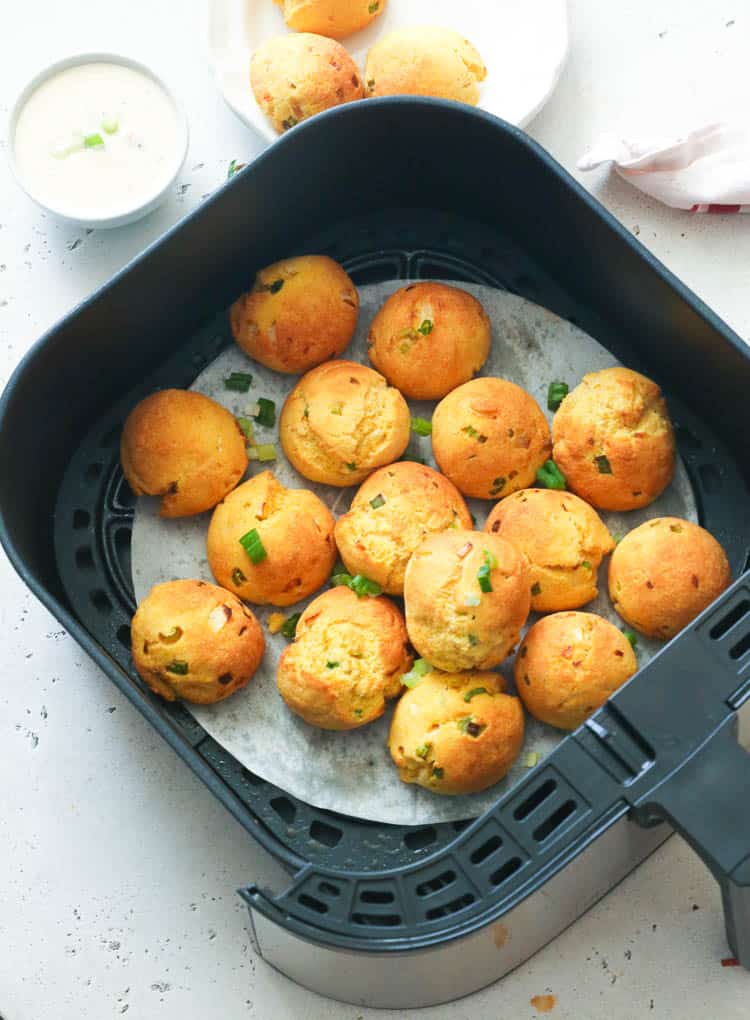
{"x": 347, "y": 660}
{"x": 184, "y": 447}
{"x": 334, "y": 18}
{"x": 569, "y": 664}
{"x": 664, "y": 573}
{"x": 429, "y": 338}
{"x": 613, "y": 440}
{"x": 341, "y": 421}
{"x": 456, "y": 733}
{"x": 391, "y": 514}
{"x": 299, "y": 313}
{"x": 195, "y": 641}
{"x": 294, "y": 77}
{"x": 564, "y": 540}
{"x": 489, "y": 437}
{"x": 270, "y": 544}
{"x": 467, "y": 595}
{"x": 425, "y": 60}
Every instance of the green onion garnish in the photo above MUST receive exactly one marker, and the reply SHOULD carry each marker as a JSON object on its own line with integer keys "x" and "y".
{"x": 603, "y": 464}
{"x": 93, "y": 141}
{"x": 472, "y": 599}
{"x": 420, "y": 668}
{"x": 422, "y": 751}
{"x": 337, "y": 408}
{"x": 253, "y": 546}
{"x": 359, "y": 712}
{"x": 530, "y": 759}
{"x": 377, "y": 502}
{"x": 246, "y": 427}
{"x": 556, "y": 393}
{"x": 632, "y": 637}
{"x": 332, "y": 665}
{"x": 234, "y": 168}
{"x": 266, "y": 452}
{"x": 426, "y": 328}
{"x": 266, "y": 413}
{"x": 172, "y": 635}
{"x": 362, "y": 586}
{"x": 483, "y": 574}
{"x": 473, "y": 693}
{"x": 350, "y": 466}
{"x": 470, "y": 431}
{"x": 536, "y": 589}
{"x": 421, "y": 426}
{"x": 238, "y": 577}
{"x": 473, "y": 640}
{"x": 178, "y": 666}
{"x": 339, "y": 579}
{"x": 289, "y": 626}
{"x": 586, "y": 565}
{"x": 437, "y": 773}
{"x": 110, "y": 125}
{"x": 373, "y": 8}
{"x": 240, "y": 382}
{"x": 549, "y": 476}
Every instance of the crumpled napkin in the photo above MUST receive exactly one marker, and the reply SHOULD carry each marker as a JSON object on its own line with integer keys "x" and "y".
{"x": 705, "y": 170}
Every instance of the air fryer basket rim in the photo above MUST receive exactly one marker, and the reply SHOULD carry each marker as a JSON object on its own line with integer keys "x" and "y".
{"x": 619, "y": 721}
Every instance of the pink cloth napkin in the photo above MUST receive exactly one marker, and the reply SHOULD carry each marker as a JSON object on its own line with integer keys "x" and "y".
{"x": 706, "y": 170}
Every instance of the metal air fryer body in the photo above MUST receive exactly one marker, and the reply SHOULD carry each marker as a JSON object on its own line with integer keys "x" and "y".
{"x": 407, "y": 188}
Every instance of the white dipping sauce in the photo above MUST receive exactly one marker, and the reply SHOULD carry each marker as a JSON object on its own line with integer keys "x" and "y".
{"x": 97, "y": 140}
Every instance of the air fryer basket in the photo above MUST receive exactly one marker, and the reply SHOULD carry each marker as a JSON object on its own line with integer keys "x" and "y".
{"x": 405, "y": 189}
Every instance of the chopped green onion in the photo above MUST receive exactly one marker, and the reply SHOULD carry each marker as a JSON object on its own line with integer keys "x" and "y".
{"x": 234, "y": 168}
{"x": 632, "y": 637}
{"x": 470, "y": 431}
{"x": 266, "y": 415}
{"x": 677, "y": 528}
{"x": 426, "y": 328}
{"x": 351, "y": 466}
{"x": 437, "y": 773}
{"x": 93, "y": 141}
{"x": 536, "y": 589}
{"x": 238, "y": 577}
{"x": 337, "y": 408}
{"x": 377, "y": 502}
{"x": 473, "y": 693}
{"x": 498, "y": 484}
{"x": 240, "y": 382}
{"x": 246, "y": 427}
{"x": 473, "y": 640}
{"x": 421, "y": 426}
{"x": 470, "y": 599}
{"x": 471, "y": 728}
{"x": 110, "y": 125}
{"x": 423, "y": 751}
{"x": 359, "y": 712}
{"x": 178, "y": 666}
{"x": 332, "y": 665}
{"x": 339, "y": 579}
{"x": 290, "y": 122}
{"x": 374, "y": 6}
{"x": 172, "y": 635}
{"x": 550, "y": 476}
{"x": 362, "y": 586}
{"x": 586, "y": 565}
{"x": 289, "y": 626}
{"x": 603, "y": 464}
{"x": 266, "y": 452}
{"x": 274, "y": 287}
{"x": 556, "y": 393}
{"x": 371, "y": 84}
{"x": 253, "y": 546}
{"x": 530, "y": 759}
{"x": 483, "y": 574}
{"x": 420, "y": 668}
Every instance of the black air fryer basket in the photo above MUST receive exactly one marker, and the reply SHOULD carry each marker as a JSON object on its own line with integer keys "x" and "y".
{"x": 408, "y": 189}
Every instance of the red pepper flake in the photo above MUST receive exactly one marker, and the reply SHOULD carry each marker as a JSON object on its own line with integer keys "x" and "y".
{"x": 695, "y": 580}
{"x": 649, "y": 584}
{"x": 730, "y": 961}
{"x": 567, "y": 652}
{"x": 464, "y": 550}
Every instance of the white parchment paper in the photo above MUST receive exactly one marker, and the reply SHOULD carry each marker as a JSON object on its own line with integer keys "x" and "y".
{"x": 352, "y": 772}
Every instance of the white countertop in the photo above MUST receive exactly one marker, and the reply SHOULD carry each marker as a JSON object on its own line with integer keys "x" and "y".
{"x": 118, "y": 867}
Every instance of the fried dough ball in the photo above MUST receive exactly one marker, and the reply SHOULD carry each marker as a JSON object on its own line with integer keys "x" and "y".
{"x": 334, "y": 18}
{"x": 425, "y": 60}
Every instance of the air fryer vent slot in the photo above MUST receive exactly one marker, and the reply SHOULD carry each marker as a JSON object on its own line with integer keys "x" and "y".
{"x": 728, "y": 621}
{"x": 419, "y": 839}
{"x": 328, "y": 889}
{"x": 533, "y": 801}
{"x": 505, "y": 871}
{"x": 554, "y": 821}
{"x": 284, "y": 809}
{"x": 450, "y": 908}
{"x": 446, "y": 878}
{"x": 376, "y": 896}
{"x": 313, "y": 904}
{"x": 377, "y": 920}
{"x": 742, "y": 646}
{"x": 326, "y": 834}
{"x": 486, "y": 850}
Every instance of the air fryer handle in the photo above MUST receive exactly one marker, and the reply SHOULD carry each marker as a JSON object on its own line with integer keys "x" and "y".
{"x": 706, "y": 801}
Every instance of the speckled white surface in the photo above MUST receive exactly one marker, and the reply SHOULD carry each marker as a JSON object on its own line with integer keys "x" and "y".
{"x": 118, "y": 868}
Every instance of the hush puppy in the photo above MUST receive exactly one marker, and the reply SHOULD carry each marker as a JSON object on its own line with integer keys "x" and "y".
{"x": 489, "y": 437}
{"x": 569, "y": 664}
{"x": 467, "y": 596}
{"x": 184, "y": 447}
{"x": 341, "y": 421}
{"x": 429, "y": 338}
{"x": 664, "y": 573}
{"x": 299, "y": 313}
{"x": 564, "y": 540}
{"x": 613, "y": 440}
{"x": 195, "y": 641}
{"x": 294, "y": 77}
{"x": 391, "y": 514}
{"x": 456, "y": 733}
{"x": 270, "y": 544}
{"x": 425, "y": 60}
{"x": 347, "y": 660}
{"x": 334, "y": 18}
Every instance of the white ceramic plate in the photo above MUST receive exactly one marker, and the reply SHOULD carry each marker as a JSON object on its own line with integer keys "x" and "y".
{"x": 523, "y": 43}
